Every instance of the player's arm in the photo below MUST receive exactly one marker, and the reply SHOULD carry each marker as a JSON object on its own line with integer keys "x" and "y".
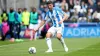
{"x": 41, "y": 24}
{"x": 64, "y": 18}
{"x": 61, "y": 12}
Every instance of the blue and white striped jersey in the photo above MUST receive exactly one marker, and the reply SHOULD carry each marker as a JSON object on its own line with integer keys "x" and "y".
{"x": 56, "y": 15}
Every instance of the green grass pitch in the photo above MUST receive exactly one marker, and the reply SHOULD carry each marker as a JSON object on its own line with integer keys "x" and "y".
{"x": 77, "y": 47}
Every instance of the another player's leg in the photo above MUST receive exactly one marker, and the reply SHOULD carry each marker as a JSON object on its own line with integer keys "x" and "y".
{"x": 31, "y": 35}
{"x": 60, "y": 38}
{"x": 49, "y": 43}
{"x": 35, "y": 36}
{"x": 32, "y": 27}
{"x": 11, "y": 24}
{"x": 35, "y": 27}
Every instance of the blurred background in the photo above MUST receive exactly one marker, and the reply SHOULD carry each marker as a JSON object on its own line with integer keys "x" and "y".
{"x": 83, "y": 15}
{"x": 81, "y": 31}
{"x": 6, "y": 4}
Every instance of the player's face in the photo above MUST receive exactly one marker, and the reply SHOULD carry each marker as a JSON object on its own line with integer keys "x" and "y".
{"x": 34, "y": 10}
{"x": 50, "y": 6}
{"x": 20, "y": 10}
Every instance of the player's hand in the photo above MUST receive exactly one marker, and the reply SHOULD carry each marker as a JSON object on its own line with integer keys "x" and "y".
{"x": 61, "y": 22}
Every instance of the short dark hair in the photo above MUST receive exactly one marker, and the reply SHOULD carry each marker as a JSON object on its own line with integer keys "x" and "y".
{"x": 19, "y": 8}
{"x": 49, "y": 2}
{"x": 11, "y": 8}
{"x": 25, "y": 9}
{"x": 33, "y": 8}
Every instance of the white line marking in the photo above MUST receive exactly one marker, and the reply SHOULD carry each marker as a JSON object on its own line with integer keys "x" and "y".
{"x": 5, "y": 45}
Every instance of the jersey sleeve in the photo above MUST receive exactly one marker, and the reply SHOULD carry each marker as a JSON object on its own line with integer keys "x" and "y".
{"x": 16, "y": 16}
{"x": 46, "y": 17}
{"x": 60, "y": 10}
{"x": 43, "y": 15}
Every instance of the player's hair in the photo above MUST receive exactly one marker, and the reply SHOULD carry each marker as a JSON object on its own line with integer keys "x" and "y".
{"x": 49, "y": 2}
{"x": 33, "y": 8}
{"x": 25, "y": 9}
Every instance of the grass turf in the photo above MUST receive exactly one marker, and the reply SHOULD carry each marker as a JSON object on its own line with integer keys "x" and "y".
{"x": 77, "y": 47}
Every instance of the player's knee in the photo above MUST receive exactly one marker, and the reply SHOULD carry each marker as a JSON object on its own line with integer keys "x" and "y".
{"x": 59, "y": 35}
{"x": 48, "y": 35}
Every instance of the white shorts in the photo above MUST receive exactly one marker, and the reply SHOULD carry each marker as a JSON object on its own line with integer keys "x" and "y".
{"x": 33, "y": 26}
{"x": 98, "y": 16}
{"x": 55, "y": 30}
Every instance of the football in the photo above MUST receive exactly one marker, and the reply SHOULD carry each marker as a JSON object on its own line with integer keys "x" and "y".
{"x": 32, "y": 50}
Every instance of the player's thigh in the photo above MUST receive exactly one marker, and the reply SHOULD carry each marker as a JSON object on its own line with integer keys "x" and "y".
{"x": 59, "y": 32}
{"x": 59, "y": 35}
{"x": 51, "y": 32}
{"x": 36, "y": 26}
{"x": 33, "y": 26}
{"x": 48, "y": 35}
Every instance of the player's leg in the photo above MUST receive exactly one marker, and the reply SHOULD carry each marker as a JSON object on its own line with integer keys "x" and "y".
{"x": 12, "y": 31}
{"x": 35, "y": 36}
{"x": 50, "y": 32}
{"x": 35, "y": 27}
{"x": 48, "y": 41}
{"x": 31, "y": 34}
{"x": 19, "y": 31}
{"x": 60, "y": 38}
{"x": 31, "y": 27}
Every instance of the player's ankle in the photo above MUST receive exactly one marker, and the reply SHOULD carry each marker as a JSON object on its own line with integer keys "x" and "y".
{"x": 50, "y": 49}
